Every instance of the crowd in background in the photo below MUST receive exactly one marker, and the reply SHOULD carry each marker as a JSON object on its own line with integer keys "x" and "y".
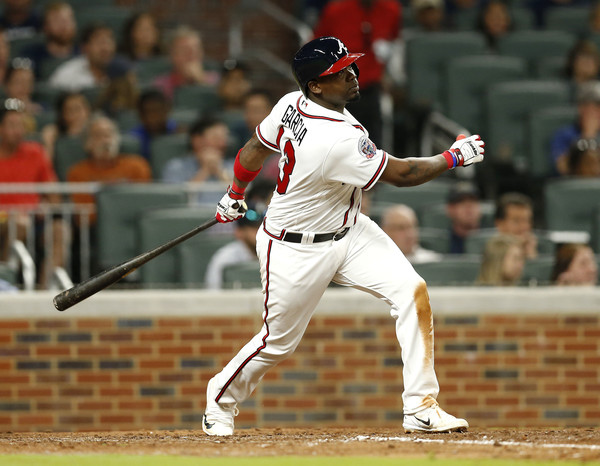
{"x": 110, "y": 94}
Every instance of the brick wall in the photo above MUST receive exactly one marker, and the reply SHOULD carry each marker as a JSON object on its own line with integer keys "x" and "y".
{"x": 131, "y": 360}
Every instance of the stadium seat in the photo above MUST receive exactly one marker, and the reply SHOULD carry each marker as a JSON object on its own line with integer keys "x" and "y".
{"x": 68, "y": 151}
{"x": 534, "y": 45}
{"x": 194, "y": 257}
{"x": 436, "y": 217}
{"x": 165, "y": 148}
{"x": 243, "y": 275}
{"x": 426, "y": 58}
{"x": 550, "y": 68}
{"x": 475, "y": 243}
{"x": 44, "y": 118}
{"x": 452, "y": 270}
{"x": 48, "y": 66}
{"x": 158, "y": 226}
{"x": 466, "y": 19}
{"x": 509, "y": 105}
{"x": 148, "y": 70}
{"x": 45, "y": 94}
{"x": 130, "y": 144}
{"x": 595, "y": 243}
{"x": 434, "y": 192}
{"x": 542, "y": 125}
{"x": 538, "y": 271}
{"x": 184, "y": 117}
{"x": 113, "y": 16}
{"x": 127, "y": 120}
{"x": 8, "y": 273}
{"x": 570, "y": 204}
{"x": 467, "y": 80}
{"x": 573, "y": 20}
{"x": 119, "y": 208}
{"x": 203, "y": 99}
{"x": 435, "y": 239}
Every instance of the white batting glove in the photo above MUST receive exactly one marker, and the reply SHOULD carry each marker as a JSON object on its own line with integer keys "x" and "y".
{"x": 231, "y": 207}
{"x": 466, "y": 151}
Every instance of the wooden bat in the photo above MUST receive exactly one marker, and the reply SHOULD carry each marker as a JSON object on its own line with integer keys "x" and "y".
{"x": 98, "y": 282}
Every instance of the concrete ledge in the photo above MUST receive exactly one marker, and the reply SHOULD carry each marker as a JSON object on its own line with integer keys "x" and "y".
{"x": 162, "y": 303}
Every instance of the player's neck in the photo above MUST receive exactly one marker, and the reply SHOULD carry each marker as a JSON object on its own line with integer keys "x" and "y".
{"x": 328, "y": 105}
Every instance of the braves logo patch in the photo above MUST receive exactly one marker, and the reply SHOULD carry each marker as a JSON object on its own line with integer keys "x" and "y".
{"x": 366, "y": 147}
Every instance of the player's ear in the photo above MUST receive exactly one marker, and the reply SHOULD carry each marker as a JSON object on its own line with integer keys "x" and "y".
{"x": 314, "y": 87}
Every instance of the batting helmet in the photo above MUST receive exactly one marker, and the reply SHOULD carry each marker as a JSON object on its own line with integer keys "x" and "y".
{"x": 320, "y": 57}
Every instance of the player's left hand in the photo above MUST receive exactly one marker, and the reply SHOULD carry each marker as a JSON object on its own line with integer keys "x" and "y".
{"x": 229, "y": 208}
{"x": 467, "y": 151}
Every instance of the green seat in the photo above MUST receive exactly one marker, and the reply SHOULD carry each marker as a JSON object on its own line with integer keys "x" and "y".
{"x": 44, "y": 118}
{"x": 127, "y": 120}
{"x": 570, "y": 204}
{"x": 165, "y": 148}
{"x": 595, "y": 243}
{"x": 49, "y": 65}
{"x": 203, "y": 99}
{"x": 158, "y": 226}
{"x": 543, "y": 124}
{"x": 119, "y": 208}
{"x": 523, "y": 18}
{"x": 475, "y": 243}
{"x": 184, "y": 117}
{"x": 452, "y": 270}
{"x": 195, "y": 255}
{"x": 8, "y": 273}
{"x": 467, "y": 80}
{"x": 435, "y": 239}
{"x": 436, "y": 216}
{"x": 573, "y": 20}
{"x": 130, "y": 144}
{"x": 150, "y": 69}
{"x": 509, "y": 105}
{"x": 434, "y": 192}
{"x": 533, "y": 45}
{"x": 538, "y": 271}
{"x": 466, "y": 19}
{"x": 46, "y": 94}
{"x": 550, "y": 68}
{"x": 426, "y": 58}
{"x": 113, "y": 16}
{"x": 68, "y": 151}
{"x": 242, "y": 275}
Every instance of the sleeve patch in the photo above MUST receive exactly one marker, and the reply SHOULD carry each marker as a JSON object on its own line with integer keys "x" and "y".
{"x": 366, "y": 147}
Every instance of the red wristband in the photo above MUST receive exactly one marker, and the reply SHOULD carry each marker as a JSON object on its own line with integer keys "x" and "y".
{"x": 450, "y": 159}
{"x": 242, "y": 173}
{"x": 236, "y": 192}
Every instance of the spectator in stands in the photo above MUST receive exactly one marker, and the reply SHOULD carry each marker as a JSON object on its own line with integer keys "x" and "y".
{"x": 503, "y": 261}
{"x": 243, "y": 249}
{"x": 429, "y": 15}
{"x": 587, "y": 125}
{"x": 20, "y": 20}
{"x": 104, "y": 162}
{"x": 494, "y": 22}
{"x": 463, "y": 208}
{"x": 187, "y": 63}
{"x": 72, "y": 117}
{"x": 23, "y": 161}
{"x": 121, "y": 92}
{"x": 208, "y": 142}
{"x": 401, "y": 225}
{"x": 233, "y": 86}
{"x": 583, "y": 63}
{"x": 584, "y": 159}
{"x": 19, "y": 84}
{"x": 60, "y": 32}
{"x": 141, "y": 38}
{"x": 371, "y": 27}
{"x": 574, "y": 264}
{"x": 4, "y": 56}
{"x": 91, "y": 69}
{"x": 153, "y": 110}
{"x": 514, "y": 216}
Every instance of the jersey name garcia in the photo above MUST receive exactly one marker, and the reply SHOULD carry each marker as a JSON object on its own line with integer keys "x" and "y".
{"x": 327, "y": 160}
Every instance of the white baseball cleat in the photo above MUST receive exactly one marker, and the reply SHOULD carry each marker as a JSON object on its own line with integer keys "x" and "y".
{"x": 433, "y": 419}
{"x": 217, "y": 419}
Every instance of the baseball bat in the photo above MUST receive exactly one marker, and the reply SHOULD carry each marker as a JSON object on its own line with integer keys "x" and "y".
{"x": 98, "y": 282}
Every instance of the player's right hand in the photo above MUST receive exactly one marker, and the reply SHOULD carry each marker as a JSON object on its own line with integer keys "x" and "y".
{"x": 229, "y": 208}
{"x": 467, "y": 151}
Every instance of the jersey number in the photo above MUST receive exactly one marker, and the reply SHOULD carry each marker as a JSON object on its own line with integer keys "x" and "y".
{"x": 284, "y": 179}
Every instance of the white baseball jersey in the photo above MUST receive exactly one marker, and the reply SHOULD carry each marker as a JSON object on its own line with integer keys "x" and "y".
{"x": 326, "y": 161}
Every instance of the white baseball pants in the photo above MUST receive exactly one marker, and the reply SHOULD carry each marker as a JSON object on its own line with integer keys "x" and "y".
{"x": 295, "y": 276}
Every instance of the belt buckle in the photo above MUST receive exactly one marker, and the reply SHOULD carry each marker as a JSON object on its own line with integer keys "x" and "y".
{"x": 340, "y": 234}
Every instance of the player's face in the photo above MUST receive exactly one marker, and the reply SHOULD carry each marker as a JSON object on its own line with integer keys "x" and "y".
{"x": 339, "y": 88}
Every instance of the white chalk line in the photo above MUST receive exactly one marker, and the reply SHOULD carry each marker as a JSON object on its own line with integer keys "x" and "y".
{"x": 483, "y": 442}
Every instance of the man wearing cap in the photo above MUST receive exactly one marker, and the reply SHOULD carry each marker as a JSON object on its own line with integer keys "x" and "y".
{"x": 463, "y": 208}
{"x": 586, "y": 127}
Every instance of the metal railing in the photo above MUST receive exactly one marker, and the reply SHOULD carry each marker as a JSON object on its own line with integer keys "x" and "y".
{"x": 39, "y": 240}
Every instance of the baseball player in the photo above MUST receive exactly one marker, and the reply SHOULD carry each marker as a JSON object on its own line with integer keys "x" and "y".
{"x": 314, "y": 233}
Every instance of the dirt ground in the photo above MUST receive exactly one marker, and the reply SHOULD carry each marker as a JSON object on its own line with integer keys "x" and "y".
{"x": 581, "y": 444}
